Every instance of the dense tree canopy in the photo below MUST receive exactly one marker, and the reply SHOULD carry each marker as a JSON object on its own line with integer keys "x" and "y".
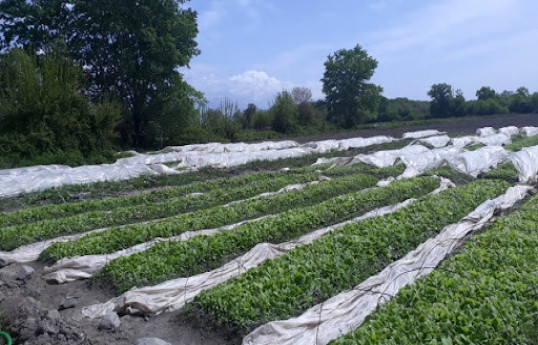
{"x": 349, "y": 96}
{"x": 129, "y": 49}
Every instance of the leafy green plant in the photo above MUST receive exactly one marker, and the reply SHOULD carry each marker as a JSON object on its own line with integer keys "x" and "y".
{"x": 287, "y": 286}
{"x": 118, "y": 238}
{"x": 169, "y": 260}
{"x": 484, "y": 295}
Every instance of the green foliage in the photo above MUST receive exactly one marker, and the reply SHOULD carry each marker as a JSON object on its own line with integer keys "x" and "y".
{"x": 44, "y": 112}
{"x": 505, "y": 171}
{"x": 285, "y": 113}
{"x": 442, "y": 97}
{"x": 199, "y": 254}
{"x": 287, "y": 286}
{"x": 125, "y": 237}
{"x": 484, "y": 93}
{"x": 130, "y": 50}
{"x": 484, "y": 295}
{"x": 519, "y": 142}
{"x": 154, "y": 208}
{"x": 350, "y": 99}
{"x": 402, "y": 109}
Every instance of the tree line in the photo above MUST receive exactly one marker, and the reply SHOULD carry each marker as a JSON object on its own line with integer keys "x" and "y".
{"x": 81, "y": 79}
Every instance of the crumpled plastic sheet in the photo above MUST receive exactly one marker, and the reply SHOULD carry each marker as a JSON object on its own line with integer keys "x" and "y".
{"x": 421, "y": 134}
{"x": 478, "y": 161}
{"x": 485, "y": 131}
{"x": 510, "y": 130}
{"x": 526, "y": 163}
{"x": 346, "y": 311}
{"x": 24, "y": 180}
{"x": 436, "y": 141}
{"x": 498, "y": 139}
{"x": 346, "y": 144}
{"x": 529, "y": 131}
{"x": 17, "y": 181}
{"x": 174, "y": 294}
{"x": 431, "y": 159}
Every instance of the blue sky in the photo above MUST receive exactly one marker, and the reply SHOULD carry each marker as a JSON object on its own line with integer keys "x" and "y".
{"x": 252, "y": 49}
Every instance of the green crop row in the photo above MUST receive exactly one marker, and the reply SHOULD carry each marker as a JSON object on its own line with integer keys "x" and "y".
{"x": 486, "y": 295}
{"x": 160, "y": 195}
{"x": 14, "y": 236}
{"x": 100, "y": 190}
{"x": 520, "y": 141}
{"x": 168, "y": 260}
{"x": 115, "y": 239}
{"x": 287, "y": 286}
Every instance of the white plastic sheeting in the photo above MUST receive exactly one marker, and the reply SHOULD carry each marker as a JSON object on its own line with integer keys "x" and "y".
{"x": 421, "y": 134}
{"x": 478, "y": 161}
{"x": 529, "y": 131}
{"x": 526, "y": 163}
{"x": 436, "y": 141}
{"x": 18, "y": 181}
{"x": 346, "y": 144}
{"x": 24, "y": 180}
{"x": 485, "y": 131}
{"x": 174, "y": 294}
{"x": 510, "y": 130}
{"x": 346, "y": 311}
{"x": 499, "y": 139}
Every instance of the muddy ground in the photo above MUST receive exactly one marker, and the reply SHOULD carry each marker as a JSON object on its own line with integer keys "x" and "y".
{"x": 31, "y": 306}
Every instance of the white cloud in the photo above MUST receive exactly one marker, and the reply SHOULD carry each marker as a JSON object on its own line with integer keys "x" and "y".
{"x": 252, "y": 86}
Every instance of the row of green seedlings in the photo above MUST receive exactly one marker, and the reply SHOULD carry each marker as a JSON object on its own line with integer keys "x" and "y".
{"x": 100, "y": 190}
{"x": 288, "y": 286}
{"x": 168, "y": 260}
{"x": 487, "y": 294}
{"x": 15, "y": 236}
{"x": 118, "y": 238}
{"x": 162, "y": 195}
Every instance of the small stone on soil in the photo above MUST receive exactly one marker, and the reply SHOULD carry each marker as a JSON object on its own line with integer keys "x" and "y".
{"x": 68, "y": 302}
{"x": 25, "y": 272}
{"x": 111, "y": 320}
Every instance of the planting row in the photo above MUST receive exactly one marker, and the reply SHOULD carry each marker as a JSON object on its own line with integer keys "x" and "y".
{"x": 118, "y": 238}
{"x": 286, "y": 287}
{"x": 17, "y": 235}
{"x": 168, "y": 260}
{"x": 102, "y": 190}
{"x": 160, "y": 195}
{"x": 485, "y": 295}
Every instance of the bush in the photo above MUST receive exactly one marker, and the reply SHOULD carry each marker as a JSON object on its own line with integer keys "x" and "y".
{"x": 44, "y": 113}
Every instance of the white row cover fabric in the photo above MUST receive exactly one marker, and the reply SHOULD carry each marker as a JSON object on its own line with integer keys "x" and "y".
{"x": 478, "y": 161}
{"x": 436, "y": 141}
{"x": 18, "y": 181}
{"x": 529, "y": 131}
{"x": 421, "y": 134}
{"x": 485, "y": 131}
{"x": 25, "y": 180}
{"x": 174, "y": 294}
{"x": 526, "y": 164}
{"x": 346, "y": 311}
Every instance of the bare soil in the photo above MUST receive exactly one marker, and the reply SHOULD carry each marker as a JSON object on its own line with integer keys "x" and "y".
{"x": 30, "y": 306}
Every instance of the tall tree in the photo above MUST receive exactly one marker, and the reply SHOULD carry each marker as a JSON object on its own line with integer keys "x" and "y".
{"x": 442, "y": 97}
{"x": 129, "y": 49}
{"x": 484, "y": 93}
{"x": 349, "y": 96}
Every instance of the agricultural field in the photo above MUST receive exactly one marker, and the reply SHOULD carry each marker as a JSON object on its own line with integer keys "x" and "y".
{"x": 420, "y": 238}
